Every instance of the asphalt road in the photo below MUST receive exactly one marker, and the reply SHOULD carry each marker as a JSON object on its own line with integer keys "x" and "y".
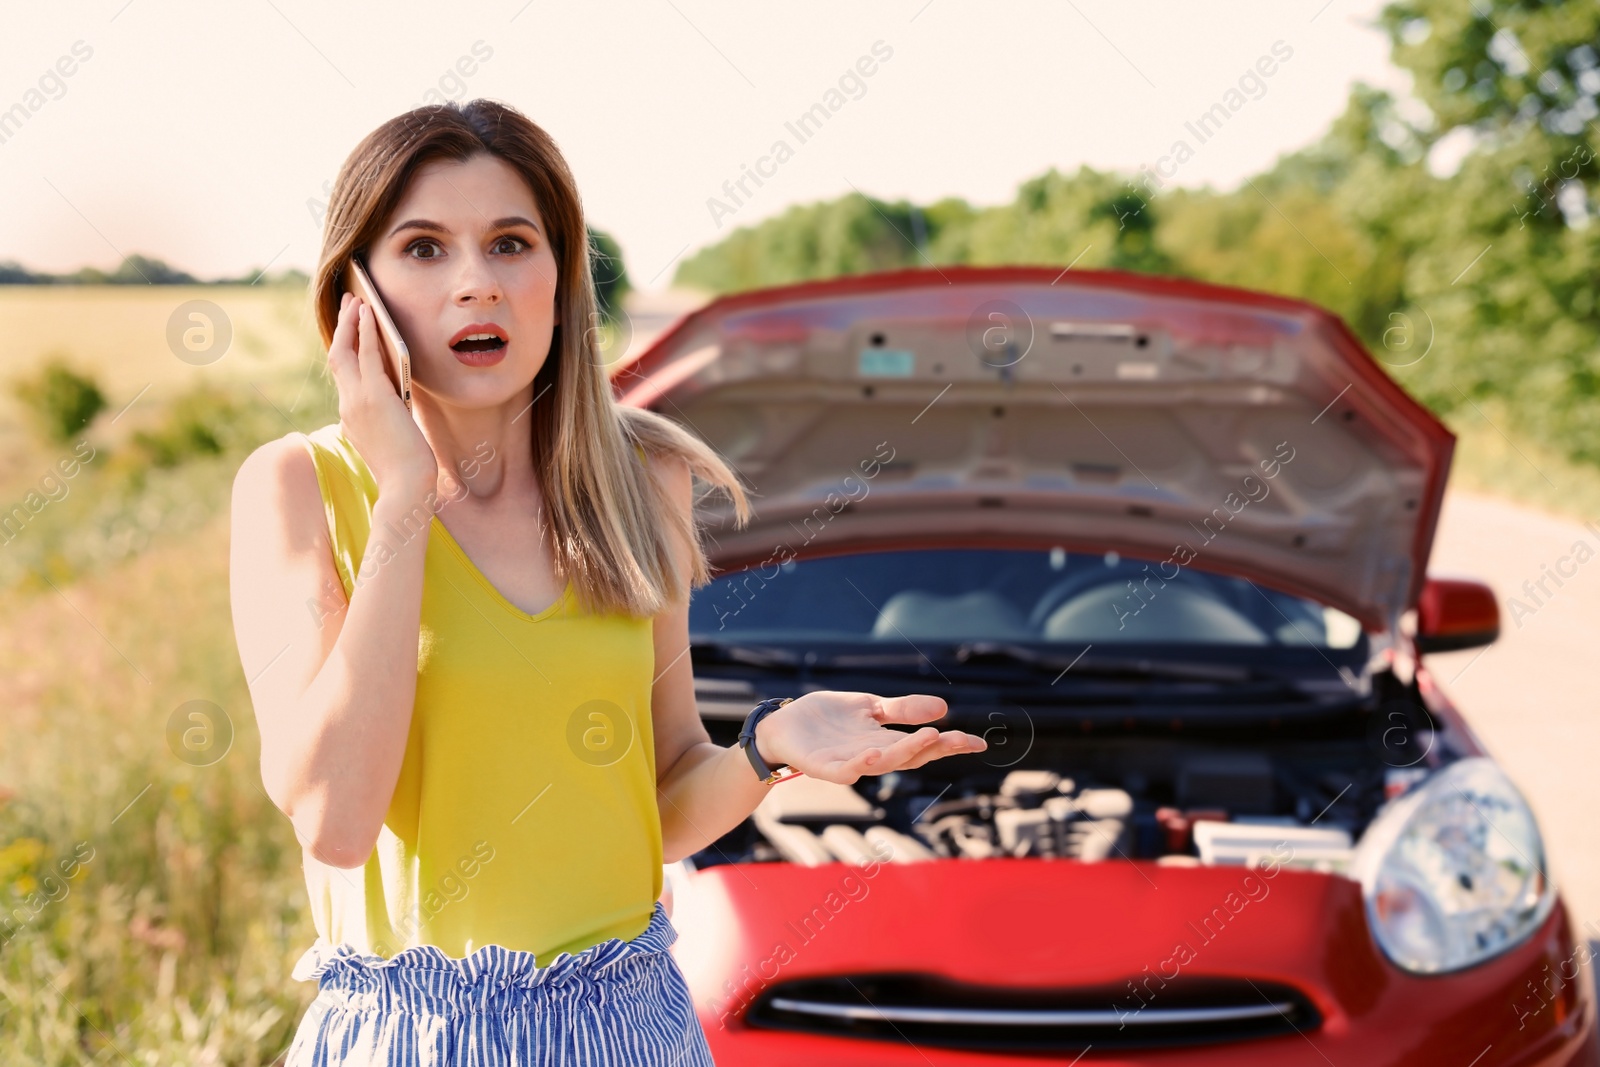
{"x": 1531, "y": 697}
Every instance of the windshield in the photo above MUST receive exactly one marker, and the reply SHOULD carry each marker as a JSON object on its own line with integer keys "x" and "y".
{"x": 1006, "y": 595}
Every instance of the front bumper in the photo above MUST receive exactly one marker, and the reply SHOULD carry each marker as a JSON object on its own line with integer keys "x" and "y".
{"x": 746, "y": 929}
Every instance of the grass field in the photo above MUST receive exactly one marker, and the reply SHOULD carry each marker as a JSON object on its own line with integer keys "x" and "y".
{"x": 151, "y": 907}
{"x": 121, "y": 330}
{"x": 171, "y": 940}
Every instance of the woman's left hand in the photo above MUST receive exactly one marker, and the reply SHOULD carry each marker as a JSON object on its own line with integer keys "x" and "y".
{"x": 839, "y": 737}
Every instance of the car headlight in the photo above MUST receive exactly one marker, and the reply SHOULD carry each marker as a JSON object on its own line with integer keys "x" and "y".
{"x": 1453, "y": 872}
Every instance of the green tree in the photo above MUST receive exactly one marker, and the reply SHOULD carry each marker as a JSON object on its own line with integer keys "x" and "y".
{"x": 1497, "y": 66}
{"x": 855, "y": 234}
{"x": 133, "y": 270}
{"x": 610, "y": 276}
{"x": 1091, "y": 219}
{"x": 1508, "y": 281}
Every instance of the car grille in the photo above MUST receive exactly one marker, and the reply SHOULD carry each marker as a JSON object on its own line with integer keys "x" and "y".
{"x": 927, "y": 1010}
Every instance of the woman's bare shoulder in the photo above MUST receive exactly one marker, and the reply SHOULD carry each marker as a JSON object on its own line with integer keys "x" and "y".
{"x": 674, "y": 472}
{"x": 276, "y": 487}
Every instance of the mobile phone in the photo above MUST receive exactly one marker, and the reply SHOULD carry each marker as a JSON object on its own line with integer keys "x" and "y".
{"x": 396, "y": 356}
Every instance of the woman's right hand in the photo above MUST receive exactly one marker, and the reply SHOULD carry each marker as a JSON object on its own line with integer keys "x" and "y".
{"x": 371, "y": 413}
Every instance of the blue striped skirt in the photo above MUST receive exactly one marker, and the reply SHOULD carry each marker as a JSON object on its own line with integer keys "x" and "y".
{"x": 617, "y": 1002}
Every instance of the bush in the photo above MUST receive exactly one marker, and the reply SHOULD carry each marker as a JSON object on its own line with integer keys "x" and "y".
{"x": 199, "y": 423}
{"x": 61, "y": 401}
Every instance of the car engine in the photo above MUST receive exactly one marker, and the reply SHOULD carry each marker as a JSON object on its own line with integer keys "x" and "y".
{"x": 1178, "y": 803}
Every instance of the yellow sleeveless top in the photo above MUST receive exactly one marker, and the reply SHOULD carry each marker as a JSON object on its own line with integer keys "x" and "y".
{"x": 525, "y": 812}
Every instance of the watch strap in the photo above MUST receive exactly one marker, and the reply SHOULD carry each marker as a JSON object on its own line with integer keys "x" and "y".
{"x": 747, "y": 741}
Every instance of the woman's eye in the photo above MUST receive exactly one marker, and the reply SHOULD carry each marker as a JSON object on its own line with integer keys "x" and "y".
{"x": 516, "y": 244}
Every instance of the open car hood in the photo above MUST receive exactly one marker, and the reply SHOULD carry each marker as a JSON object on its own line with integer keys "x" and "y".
{"x": 1168, "y": 419}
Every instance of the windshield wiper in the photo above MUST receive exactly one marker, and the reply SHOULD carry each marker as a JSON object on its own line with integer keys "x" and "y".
{"x": 978, "y": 653}
{"x": 1102, "y": 666}
{"x": 800, "y": 659}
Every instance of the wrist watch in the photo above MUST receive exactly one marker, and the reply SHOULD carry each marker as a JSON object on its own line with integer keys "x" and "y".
{"x": 747, "y": 741}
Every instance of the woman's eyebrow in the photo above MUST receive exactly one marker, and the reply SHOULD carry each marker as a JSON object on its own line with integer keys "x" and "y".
{"x": 436, "y": 227}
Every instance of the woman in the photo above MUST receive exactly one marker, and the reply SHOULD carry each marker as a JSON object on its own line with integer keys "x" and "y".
{"x": 466, "y": 629}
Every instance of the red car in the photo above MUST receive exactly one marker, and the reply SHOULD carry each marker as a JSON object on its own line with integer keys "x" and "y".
{"x": 1163, "y": 544}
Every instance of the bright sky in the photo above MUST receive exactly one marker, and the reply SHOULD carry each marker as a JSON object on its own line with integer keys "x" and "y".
{"x": 198, "y": 132}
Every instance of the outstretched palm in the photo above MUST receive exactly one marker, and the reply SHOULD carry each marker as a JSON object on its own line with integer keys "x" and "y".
{"x": 839, "y": 737}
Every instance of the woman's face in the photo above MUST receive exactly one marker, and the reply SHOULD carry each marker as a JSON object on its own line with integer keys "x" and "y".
{"x": 466, "y": 252}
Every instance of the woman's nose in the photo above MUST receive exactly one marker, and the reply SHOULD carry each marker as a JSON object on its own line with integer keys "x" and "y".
{"x": 477, "y": 282}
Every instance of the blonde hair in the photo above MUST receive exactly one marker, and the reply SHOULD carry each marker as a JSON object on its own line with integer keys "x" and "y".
{"x": 609, "y": 518}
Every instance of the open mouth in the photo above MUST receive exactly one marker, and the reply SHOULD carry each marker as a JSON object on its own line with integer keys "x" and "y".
{"x": 479, "y": 339}
{"x": 480, "y": 343}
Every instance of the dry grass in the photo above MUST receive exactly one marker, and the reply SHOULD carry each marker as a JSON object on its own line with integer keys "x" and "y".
{"x": 1498, "y": 462}
{"x": 173, "y": 941}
